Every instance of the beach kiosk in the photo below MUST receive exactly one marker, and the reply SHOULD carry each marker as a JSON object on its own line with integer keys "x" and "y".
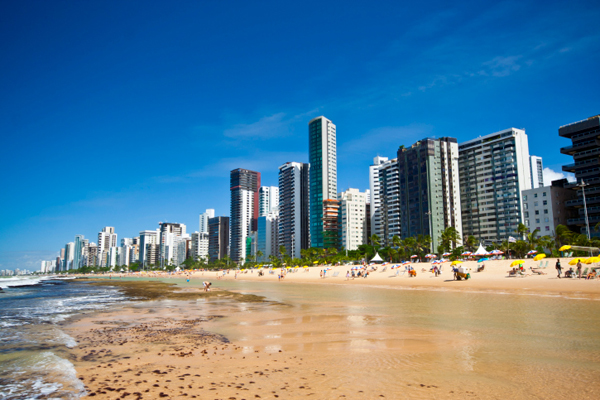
{"x": 376, "y": 259}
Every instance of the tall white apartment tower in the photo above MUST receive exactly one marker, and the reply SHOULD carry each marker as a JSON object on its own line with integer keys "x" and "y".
{"x": 494, "y": 170}
{"x": 375, "y": 202}
{"x": 537, "y": 172}
{"x": 322, "y": 150}
{"x": 293, "y": 207}
{"x": 353, "y": 224}
{"x": 210, "y": 213}
{"x": 268, "y": 199}
{"x": 106, "y": 240}
{"x": 147, "y": 238}
{"x": 169, "y": 235}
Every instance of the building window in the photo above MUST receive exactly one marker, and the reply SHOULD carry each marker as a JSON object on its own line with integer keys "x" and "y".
{"x": 547, "y": 228}
{"x": 524, "y": 197}
{"x": 537, "y": 220}
{"x": 546, "y": 219}
{"x": 537, "y": 212}
{"x": 546, "y": 211}
{"x": 544, "y": 194}
{"x": 526, "y": 222}
{"x": 535, "y": 195}
{"x": 535, "y": 203}
{"x": 526, "y": 214}
{"x": 545, "y": 202}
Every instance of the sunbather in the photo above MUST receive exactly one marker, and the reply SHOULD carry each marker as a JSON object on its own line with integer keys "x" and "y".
{"x": 591, "y": 275}
{"x": 537, "y": 271}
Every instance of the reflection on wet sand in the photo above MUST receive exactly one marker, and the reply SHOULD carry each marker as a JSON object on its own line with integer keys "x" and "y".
{"x": 324, "y": 342}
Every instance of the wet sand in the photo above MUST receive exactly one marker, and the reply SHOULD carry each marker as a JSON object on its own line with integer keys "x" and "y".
{"x": 325, "y": 346}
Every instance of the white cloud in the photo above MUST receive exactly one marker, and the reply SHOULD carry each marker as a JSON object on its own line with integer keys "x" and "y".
{"x": 551, "y": 175}
{"x": 384, "y": 140}
{"x": 265, "y": 128}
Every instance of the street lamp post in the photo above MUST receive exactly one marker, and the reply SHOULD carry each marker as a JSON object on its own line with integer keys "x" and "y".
{"x": 582, "y": 185}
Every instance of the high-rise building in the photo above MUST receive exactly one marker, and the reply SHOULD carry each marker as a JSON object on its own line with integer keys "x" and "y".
{"x": 78, "y": 252}
{"x": 429, "y": 189}
{"x": 353, "y": 219}
{"x": 585, "y": 148}
{"x": 152, "y": 254}
{"x": 92, "y": 256}
{"x": 293, "y": 229}
{"x": 545, "y": 207}
{"x": 218, "y": 238}
{"x": 169, "y": 235}
{"x": 386, "y": 218}
{"x": 268, "y": 199}
{"x": 536, "y": 168}
{"x": 106, "y": 240}
{"x": 494, "y": 171}
{"x": 204, "y": 217}
{"x": 375, "y": 203}
{"x": 244, "y": 187}
{"x": 200, "y": 244}
{"x": 267, "y": 235}
{"x": 331, "y": 224}
{"x": 323, "y": 173}
{"x": 69, "y": 255}
{"x": 147, "y": 238}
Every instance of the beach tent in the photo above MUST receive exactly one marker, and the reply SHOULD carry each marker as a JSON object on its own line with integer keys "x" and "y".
{"x": 376, "y": 258}
{"x": 481, "y": 251}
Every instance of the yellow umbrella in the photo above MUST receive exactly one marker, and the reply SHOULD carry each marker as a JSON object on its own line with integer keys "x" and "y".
{"x": 590, "y": 260}
{"x": 539, "y": 257}
{"x": 516, "y": 262}
{"x": 564, "y": 248}
{"x": 456, "y": 262}
{"x": 576, "y": 260}
{"x": 315, "y": 262}
{"x": 306, "y": 266}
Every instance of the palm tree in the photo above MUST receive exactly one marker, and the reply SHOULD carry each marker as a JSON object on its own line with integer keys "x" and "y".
{"x": 471, "y": 242}
{"x": 532, "y": 239}
{"x": 375, "y": 241}
{"x": 259, "y": 255}
{"x": 562, "y": 236}
{"x": 522, "y": 230}
{"x": 449, "y": 238}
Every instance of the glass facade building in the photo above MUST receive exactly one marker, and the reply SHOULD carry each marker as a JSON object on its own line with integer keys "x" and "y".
{"x": 323, "y": 173}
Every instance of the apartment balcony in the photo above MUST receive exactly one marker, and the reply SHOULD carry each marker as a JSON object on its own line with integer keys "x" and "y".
{"x": 579, "y": 202}
{"x": 590, "y": 181}
{"x": 592, "y": 220}
{"x": 581, "y": 165}
{"x": 571, "y": 150}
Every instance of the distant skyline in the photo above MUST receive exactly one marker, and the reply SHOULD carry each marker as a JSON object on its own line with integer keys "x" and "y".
{"x": 125, "y": 114}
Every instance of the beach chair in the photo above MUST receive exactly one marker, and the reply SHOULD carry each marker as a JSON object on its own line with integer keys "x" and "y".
{"x": 384, "y": 269}
{"x": 585, "y": 272}
{"x": 335, "y": 274}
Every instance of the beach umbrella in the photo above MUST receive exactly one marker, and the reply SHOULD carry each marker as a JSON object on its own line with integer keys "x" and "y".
{"x": 496, "y": 252}
{"x": 466, "y": 253}
{"x": 483, "y": 259}
{"x": 306, "y": 266}
{"x": 315, "y": 262}
{"x": 431, "y": 256}
{"x": 446, "y": 254}
{"x": 406, "y": 262}
{"x": 530, "y": 252}
{"x": 576, "y": 260}
{"x": 516, "y": 262}
{"x": 564, "y": 248}
{"x": 414, "y": 256}
{"x": 456, "y": 262}
{"x": 539, "y": 257}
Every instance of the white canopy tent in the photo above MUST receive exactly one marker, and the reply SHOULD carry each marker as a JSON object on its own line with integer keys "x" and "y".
{"x": 481, "y": 251}
{"x": 377, "y": 258}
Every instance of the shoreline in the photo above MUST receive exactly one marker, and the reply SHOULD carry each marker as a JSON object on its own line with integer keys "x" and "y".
{"x": 493, "y": 279}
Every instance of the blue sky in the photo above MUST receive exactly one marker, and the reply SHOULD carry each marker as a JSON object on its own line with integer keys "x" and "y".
{"x": 129, "y": 113}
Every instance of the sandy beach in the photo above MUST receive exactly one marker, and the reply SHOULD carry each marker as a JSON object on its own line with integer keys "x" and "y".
{"x": 495, "y": 277}
{"x": 325, "y": 342}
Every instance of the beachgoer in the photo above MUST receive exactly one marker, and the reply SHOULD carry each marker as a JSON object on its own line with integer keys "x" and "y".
{"x": 579, "y": 269}
{"x": 353, "y": 275}
{"x": 321, "y": 274}
{"x": 347, "y": 275}
{"x": 206, "y": 286}
{"x": 558, "y": 267}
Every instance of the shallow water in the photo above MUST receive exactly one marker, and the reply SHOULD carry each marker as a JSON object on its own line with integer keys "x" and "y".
{"x": 429, "y": 344}
{"x": 34, "y": 360}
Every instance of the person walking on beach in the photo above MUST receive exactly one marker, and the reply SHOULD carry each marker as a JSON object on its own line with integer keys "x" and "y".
{"x": 558, "y": 267}
{"x": 579, "y": 269}
{"x": 347, "y": 275}
{"x": 321, "y": 274}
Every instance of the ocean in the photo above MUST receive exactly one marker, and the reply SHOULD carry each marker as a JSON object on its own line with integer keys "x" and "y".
{"x": 34, "y": 357}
